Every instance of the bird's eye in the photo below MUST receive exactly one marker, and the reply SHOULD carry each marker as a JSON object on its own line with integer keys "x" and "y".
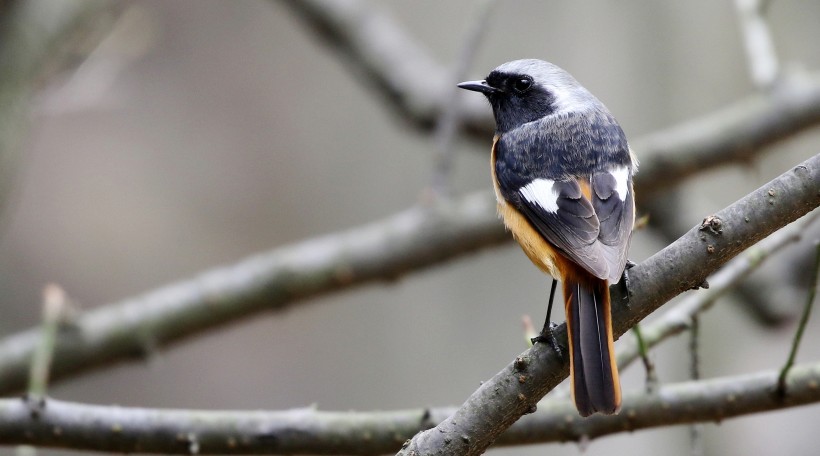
{"x": 522, "y": 84}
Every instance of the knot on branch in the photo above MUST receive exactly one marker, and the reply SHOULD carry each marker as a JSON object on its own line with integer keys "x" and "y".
{"x": 713, "y": 224}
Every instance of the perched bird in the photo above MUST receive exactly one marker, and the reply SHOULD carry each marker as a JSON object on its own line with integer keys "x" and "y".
{"x": 562, "y": 172}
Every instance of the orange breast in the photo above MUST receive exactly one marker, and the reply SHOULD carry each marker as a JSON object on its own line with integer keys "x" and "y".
{"x": 538, "y": 249}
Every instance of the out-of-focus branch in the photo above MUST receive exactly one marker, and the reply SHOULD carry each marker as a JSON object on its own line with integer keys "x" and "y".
{"x": 758, "y": 42}
{"x": 449, "y": 120}
{"x": 384, "y": 250}
{"x": 735, "y": 134}
{"x": 514, "y": 391}
{"x": 801, "y": 327}
{"x": 31, "y": 35}
{"x": 370, "y": 42}
{"x": 309, "y": 431}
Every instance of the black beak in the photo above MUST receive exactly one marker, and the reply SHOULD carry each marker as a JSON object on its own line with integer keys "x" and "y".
{"x": 479, "y": 86}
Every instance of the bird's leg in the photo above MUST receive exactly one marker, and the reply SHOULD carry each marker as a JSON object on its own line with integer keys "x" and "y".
{"x": 547, "y": 335}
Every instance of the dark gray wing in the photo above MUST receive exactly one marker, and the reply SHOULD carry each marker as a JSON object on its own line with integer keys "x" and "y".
{"x": 614, "y": 204}
{"x": 560, "y": 212}
{"x": 594, "y": 234}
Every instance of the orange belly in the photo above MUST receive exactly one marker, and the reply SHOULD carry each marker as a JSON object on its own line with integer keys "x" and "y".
{"x": 539, "y": 251}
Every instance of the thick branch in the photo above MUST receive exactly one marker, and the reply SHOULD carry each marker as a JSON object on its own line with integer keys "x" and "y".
{"x": 679, "y": 318}
{"x": 684, "y": 264}
{"x": 308, "y": 431}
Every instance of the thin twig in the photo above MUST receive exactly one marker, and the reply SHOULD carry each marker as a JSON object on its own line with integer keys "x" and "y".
{"x": 804, "y": 319}
{"x": 450, "y": 118}
{"x": 695, "y": 429}
{"x": 54, "y": 303}
{"x": 649, "y": 366}
{"x": 34, "y": 38}
{"x": 759, "y": 45}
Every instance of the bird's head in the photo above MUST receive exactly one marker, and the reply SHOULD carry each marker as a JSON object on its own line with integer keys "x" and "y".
{"x": 523, "y": 91}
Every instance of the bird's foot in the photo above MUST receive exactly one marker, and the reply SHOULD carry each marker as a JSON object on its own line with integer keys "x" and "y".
{"x": 547, "y": 336}
{"x": 625, "y": 279}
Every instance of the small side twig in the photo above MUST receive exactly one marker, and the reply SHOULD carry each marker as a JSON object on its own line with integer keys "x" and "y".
{"x": 696, "y": 429}
{"x": 528, "y": 329}
{"x": 649, "y": 366}
{"x": 53, "y": 309}
{"x": 450, "y": 118}
{"x": 798, "y": 335}
{"x": 757, "y": 38}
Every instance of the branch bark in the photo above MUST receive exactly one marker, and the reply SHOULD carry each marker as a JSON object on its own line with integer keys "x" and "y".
{"x": 60, "y": 424}
{"x": 679, "y": 318}
{"x": 684, "y": 264}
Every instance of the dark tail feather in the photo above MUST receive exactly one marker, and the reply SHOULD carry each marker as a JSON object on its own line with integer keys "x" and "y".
{"x": 594, "y": 374}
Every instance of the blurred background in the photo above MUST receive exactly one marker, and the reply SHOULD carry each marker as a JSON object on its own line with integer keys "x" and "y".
{"x": 199, "y": 133}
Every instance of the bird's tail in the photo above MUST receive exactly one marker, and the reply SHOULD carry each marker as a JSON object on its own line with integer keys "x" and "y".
{"x": 593, "y": 372}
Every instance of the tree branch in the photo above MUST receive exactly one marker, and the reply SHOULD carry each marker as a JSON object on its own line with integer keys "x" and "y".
{"x": 682, "y": 403}
{"x": 30, "y": 34}
{"x": 384, "y": 250}
{"x": 309, "y": 431}
{"x": 735, "y": 134}
{"x": 514, "y": 391}
{"x": 758, "y": 42}
{"x": 382, "y": 54}
{"x": 678, "y": 318}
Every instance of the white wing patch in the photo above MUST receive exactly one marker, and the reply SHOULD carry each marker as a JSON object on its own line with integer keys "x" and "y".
{"x": 542, "y": 193}
{"x": 621, "y": 175}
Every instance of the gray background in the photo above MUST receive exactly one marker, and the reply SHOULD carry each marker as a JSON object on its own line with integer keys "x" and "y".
{"x": 232, "y": 130}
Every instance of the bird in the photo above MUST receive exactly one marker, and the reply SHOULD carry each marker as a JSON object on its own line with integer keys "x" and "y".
{"x": 562, "y": 171}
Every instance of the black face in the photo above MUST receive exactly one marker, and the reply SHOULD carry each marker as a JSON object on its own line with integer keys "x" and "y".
{"x": 517, "y": 100}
